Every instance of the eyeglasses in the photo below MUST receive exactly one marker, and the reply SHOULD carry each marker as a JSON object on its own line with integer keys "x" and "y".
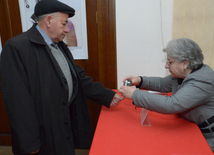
{"x": 170, "y": 62}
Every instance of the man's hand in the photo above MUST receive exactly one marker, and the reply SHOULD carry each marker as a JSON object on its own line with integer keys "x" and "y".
{"x": 34, "y": 152}
{"x": 116, "y": 99}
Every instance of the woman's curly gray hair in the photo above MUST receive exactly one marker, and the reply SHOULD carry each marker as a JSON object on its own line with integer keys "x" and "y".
{"x": 184, "y": 49}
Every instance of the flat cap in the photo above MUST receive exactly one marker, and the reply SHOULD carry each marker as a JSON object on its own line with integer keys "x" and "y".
{"x": 50, "y": 6}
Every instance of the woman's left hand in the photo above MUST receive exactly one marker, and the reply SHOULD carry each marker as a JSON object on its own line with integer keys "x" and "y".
{"x": 127, "y": 91}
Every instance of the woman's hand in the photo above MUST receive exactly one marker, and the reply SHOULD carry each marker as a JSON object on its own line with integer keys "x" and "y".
{"x": 127, "y": 91}
{"x": 135, "y": 79}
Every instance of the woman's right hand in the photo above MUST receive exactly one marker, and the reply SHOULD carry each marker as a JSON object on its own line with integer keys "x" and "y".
{"x": 135, "y": 80}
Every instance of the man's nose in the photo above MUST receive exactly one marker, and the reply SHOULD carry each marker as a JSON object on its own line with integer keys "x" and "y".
{"x": 66, "y": 29}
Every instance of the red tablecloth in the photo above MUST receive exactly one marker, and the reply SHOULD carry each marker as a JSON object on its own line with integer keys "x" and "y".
{"x": 119, "y": 132}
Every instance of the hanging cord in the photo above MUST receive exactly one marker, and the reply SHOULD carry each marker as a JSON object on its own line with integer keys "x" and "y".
{"x": 161, "y": 25}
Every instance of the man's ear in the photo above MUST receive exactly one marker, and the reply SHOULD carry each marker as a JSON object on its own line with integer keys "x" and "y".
{"x": 48, "y": 20}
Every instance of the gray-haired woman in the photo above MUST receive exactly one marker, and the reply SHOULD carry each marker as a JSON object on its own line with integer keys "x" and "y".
{"x": 191, "y": 83}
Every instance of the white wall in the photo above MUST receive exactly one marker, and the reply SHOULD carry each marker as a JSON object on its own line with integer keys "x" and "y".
{"x": 139, "y": 37}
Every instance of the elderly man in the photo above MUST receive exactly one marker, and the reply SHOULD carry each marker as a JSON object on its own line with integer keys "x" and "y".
{"x": 44, "y": 90}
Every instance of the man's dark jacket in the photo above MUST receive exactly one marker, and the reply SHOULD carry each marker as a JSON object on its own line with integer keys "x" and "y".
{"x": 35, "y": 96}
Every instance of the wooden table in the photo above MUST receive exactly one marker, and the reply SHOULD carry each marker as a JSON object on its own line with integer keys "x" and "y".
{"x": 119, "y": 132}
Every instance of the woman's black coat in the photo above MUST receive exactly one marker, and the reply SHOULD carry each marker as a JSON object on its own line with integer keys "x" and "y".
{"x": 35, "y": 96}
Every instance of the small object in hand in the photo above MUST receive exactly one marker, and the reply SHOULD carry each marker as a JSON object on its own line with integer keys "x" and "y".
{"x": 127, "y": 83}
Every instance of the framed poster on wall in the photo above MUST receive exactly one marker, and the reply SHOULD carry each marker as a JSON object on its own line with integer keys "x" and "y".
{"x": 76, "y": 39}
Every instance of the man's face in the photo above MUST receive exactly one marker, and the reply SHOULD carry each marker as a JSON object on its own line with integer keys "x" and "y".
{"x": 58, "y": 27}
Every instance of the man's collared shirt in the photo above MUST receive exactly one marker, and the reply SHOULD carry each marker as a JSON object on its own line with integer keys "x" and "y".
{"x": 44, "y": 35}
